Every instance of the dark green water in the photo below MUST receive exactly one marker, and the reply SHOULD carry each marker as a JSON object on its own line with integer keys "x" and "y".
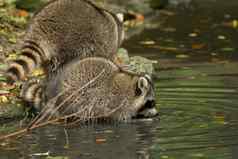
{"x": 197, "y": 95}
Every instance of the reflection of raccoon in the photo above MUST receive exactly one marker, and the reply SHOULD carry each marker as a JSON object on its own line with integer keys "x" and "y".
{"x": 93, "y": 87}
{"x": 65, "y": 30}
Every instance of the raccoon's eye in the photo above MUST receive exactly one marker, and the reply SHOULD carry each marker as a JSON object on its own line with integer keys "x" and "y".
{"x": 142, "y": 86}
{"x": 138, "y": 92}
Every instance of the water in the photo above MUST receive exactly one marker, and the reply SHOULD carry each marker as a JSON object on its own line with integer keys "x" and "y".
{"x": 197, "y": 95}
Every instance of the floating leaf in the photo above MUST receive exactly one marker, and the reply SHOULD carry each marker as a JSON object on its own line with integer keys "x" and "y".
{"x": 227, "y": 49}
{"x": 182, "y": 56}
{"x": 169, "y": 29}
{"x": 235, "y": 23}
{"x": 221, "y": 37}
{"x": 57, "y": 157}
{"x": 193, "y": 34}
{"x": 100, "y": 140}
{"x": 198, "y": 155}
{"x": 41, "y": 154}
{"x": 220, "y": 118}
{"x": 198, "y": 46}
{"x": 149, "y": 42}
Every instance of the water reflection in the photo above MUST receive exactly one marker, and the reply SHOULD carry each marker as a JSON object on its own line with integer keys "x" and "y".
{"x": 119, "y": 141}
{"x": 196, "y": 81}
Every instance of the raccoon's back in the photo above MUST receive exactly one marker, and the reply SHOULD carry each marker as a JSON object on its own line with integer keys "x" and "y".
{"x": 70, "y": 27}
{"x": 65, "y": 30}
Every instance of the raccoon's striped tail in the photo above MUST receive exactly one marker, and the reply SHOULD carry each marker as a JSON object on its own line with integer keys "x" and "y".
{"x": 31, "y": 57}
{"x": 32, "y": 94}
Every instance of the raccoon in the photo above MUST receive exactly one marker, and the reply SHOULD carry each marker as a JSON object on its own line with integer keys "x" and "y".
{"x": 93, "y": 88}
{"x": 65, "y": 30}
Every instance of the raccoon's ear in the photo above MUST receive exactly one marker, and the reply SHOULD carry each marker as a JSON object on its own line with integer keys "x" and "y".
{"x": 120, "y": 16}
{"x": 143, "y": 83}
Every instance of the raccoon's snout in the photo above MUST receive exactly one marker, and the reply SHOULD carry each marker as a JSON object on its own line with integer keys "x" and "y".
{"x": 147, "y": 111}
{"x": 145, "y": 89}
{"x": 149, "y": 104}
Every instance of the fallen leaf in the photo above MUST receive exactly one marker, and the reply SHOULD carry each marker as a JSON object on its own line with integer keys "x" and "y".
{"x": 100, "y": 140}
{"x": 149, "y": 42}
{"x": 182, "y": 56}
{"x": 169, "y": 29}
{"x": 220, "y": 118}
{"x": 232, "y": 24}
{"x": 193, "y": 34}
{"x": 235, "y": 23}
{"x": 164, "y": 157}
{"x": 198, "y": 46}
{"x": 41, "y": 154}
{"x": 221, "y": 37}
{"x": 22, "y": 13}
{"x": 227, "y": 49}
{"x": 164, "y": 48}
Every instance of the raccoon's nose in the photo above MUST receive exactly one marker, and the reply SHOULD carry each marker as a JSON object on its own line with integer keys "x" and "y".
{"x": 150, "y": 103}
{"x": 148, "y": 110}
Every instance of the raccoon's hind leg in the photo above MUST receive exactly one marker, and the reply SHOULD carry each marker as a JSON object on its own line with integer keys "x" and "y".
{"x": 32, "y": 93}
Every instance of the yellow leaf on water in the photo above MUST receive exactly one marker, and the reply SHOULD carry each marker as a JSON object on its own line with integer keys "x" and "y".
{"x": 66, "y": 146}
{"x": 221, "y": 37}
{"x": 149, "y": 42}
{"x": 220, "y": 118}
{"x": 235, "y": 23}
{"x": 193, "y": 34}
{"x": 182, "y": 56}
{"x": 198, "y": 46}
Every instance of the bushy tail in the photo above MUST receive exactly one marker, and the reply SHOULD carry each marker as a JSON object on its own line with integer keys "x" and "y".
{"x": 32, "y": 93}
{"x": 31, "y": 57}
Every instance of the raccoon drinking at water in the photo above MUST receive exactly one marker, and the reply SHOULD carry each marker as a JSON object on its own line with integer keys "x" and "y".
{"x": 75, "y": 42}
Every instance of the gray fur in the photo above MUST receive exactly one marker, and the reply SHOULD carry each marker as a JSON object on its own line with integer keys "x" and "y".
{"x": 96, "y": 88}
{"x": 65, "y": 30}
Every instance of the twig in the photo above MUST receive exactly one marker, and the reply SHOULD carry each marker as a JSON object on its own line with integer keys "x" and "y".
{"x": 39, "y": 118}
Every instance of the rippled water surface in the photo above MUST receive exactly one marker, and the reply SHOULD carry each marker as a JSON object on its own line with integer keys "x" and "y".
{"x": 197, "y": 95}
